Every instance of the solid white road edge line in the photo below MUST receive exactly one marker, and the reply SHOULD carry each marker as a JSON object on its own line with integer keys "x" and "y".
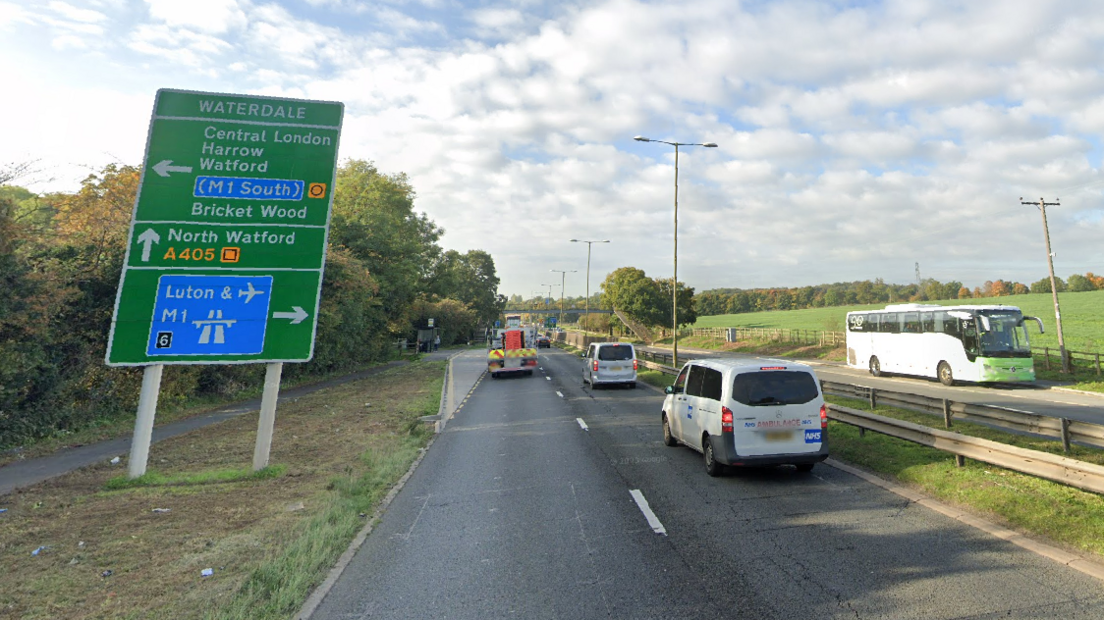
{"x": 559, "y": 393}
{"x": 582, "y": 424}
{"x": 653, "y": 520}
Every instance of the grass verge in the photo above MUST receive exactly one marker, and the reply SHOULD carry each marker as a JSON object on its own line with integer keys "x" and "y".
{"x": 112, "y": 428}
{"x": 1034, "y": 506}
{"x": 138, "y": 549}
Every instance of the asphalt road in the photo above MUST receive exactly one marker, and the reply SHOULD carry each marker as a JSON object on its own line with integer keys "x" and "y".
{"x": 1034, "y": 399}
{"x": 517, "y": 511}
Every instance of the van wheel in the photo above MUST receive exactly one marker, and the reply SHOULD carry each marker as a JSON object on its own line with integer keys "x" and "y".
{"x": 712, "y": 467}
{"x": 668, "y": 438}
{"x": 804, "y": 467}
{"x": 632, "y": 386}
{"x": 875, "y": 366}
{"x": 946, "y": 377}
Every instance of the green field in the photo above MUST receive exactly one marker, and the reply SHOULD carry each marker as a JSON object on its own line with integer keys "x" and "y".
{"x": 1082, "y": 318}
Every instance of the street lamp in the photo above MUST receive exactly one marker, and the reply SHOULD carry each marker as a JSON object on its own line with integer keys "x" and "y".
{"x": 586, "y": 321}
{"x": 674, "y": 282}
{"x": 563, "y": 275}
{"x": 1043, "y": 204}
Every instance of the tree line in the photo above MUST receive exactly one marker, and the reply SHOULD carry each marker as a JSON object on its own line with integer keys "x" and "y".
{"x": 61, "y": 256}
{"x": 737, "y": 301}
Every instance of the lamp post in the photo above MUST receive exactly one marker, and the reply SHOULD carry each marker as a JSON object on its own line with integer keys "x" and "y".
{"x": 1043, "y": 204}
{"x": 674, "y": 281}
{"x": 563, "y": 275}
{"x": 586, "y": 321}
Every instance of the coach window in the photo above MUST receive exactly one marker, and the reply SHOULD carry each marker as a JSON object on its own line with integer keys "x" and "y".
{"x": 910, "y": 322}
{"x": 927, "y": 320}
{"x": 889, "y": 323}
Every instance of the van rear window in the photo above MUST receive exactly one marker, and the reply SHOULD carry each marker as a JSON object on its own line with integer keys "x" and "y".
{"x": 615, "y": 353}
{"x": 774, "y": 388}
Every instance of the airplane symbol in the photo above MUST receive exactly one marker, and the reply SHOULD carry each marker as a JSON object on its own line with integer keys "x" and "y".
{"x": 251, "y": 292}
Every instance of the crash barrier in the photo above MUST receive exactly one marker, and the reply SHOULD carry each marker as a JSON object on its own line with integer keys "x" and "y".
{"x": 1062, "y": 429}
{"x": 1077, "y": 474}
{"x": 667, "y": 370}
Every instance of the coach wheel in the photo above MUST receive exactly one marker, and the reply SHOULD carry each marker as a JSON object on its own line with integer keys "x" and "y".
{"x": 875, "y": 366}
{"x": 946, "y": 377}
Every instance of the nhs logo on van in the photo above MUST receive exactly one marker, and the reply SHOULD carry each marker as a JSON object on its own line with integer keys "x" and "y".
{"x": 813, "y": 436}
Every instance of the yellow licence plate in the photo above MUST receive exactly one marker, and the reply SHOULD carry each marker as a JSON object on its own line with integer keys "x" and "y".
{"x": 615, "y": 369}
{"x": 778, "y": 435}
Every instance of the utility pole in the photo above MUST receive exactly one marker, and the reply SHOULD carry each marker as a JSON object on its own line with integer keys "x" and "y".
{"x": 1042, "y": 205}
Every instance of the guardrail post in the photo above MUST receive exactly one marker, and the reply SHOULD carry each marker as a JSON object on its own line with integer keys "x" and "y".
{"x": 960, "y": 461}
{"x": 947, "y": 413}
{"x": 1065, "y": 435}
{"x": 1046, "y": 357}
{"x": 873, "y": 399}
{"x": 1098, "y": 363}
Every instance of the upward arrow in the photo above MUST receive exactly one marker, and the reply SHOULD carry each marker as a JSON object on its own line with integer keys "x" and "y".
{"x": 148, "y": 238}
{"x": 164, "y": 167}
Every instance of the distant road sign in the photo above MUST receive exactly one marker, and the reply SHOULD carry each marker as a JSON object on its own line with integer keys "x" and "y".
{"x": 228, "y": 237}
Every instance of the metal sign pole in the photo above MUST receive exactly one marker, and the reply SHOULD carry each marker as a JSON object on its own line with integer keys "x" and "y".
{"x": 143, "y": 425}
{"x": 268, "y": 415}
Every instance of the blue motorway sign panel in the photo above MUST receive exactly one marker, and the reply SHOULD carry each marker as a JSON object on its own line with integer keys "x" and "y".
{"x": 209, "y": 315}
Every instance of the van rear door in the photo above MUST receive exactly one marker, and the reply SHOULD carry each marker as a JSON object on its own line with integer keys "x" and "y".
{"x": 776, "y": 411}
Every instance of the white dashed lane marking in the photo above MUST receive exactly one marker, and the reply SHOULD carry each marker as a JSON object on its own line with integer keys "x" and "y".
{"x": 582, "y": 424}
{"x": 653, "y": 520}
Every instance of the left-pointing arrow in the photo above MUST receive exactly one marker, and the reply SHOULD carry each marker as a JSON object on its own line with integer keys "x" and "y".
{"x": 148, "y": 238}
{"x": 164, "y": 167}
{"x": 296, "y": 317}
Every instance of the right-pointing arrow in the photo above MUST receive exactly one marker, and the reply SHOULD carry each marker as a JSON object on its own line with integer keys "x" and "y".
{"x": 296, "y": 316}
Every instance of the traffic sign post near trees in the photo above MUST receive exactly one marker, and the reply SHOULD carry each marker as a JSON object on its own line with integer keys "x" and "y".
{"x": 228, "y": 238}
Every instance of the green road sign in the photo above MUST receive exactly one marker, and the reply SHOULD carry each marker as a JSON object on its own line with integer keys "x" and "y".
{"x": 228, "y": 238}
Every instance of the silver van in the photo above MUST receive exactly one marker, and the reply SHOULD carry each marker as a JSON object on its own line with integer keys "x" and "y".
{"x": 608, "y": 363}
{"x": 747, "y": 412}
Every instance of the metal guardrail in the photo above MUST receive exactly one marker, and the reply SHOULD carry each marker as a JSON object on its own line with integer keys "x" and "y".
{"x": 667, "y": 370}
{"x": 1078, "y": 474}
{"x": 1062, "y": 429}
{"x": 658, "y": 359}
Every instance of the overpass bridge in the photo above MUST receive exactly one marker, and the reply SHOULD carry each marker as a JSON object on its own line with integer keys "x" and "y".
{"x": 554, "y": 311}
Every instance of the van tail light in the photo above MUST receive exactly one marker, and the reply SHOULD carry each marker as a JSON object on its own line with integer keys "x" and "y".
{"x": 594, "y": 366}
{"x": 824, "y": 416}
{"x": 636, "y": 365}
{"x": 726, "y": 420}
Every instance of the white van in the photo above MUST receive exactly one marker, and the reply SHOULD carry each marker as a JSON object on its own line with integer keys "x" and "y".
{"x": 607, "y": 363}
{"x": 747, "y": 412}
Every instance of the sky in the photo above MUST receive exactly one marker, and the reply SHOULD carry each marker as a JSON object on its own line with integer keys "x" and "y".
{"x": 856, "y": 139}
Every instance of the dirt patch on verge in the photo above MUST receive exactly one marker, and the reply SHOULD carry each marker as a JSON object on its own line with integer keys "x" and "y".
{"x": 73, "y": 549}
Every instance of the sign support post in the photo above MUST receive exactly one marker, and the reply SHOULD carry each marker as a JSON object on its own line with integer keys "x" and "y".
{"x": 267, "y": 419}
{"x": 143, "y": 426}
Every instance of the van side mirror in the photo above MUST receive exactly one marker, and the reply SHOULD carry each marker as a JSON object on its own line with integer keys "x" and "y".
{"x": 670, "y": 389}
